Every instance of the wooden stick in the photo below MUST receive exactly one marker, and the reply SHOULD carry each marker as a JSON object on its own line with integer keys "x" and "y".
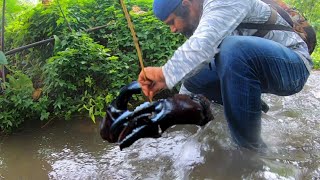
{"x": 135, "y": 39}
{"x": 134, "y": 36}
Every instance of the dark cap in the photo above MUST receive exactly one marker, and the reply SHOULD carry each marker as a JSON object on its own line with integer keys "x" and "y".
{"x": 163, "y": 8}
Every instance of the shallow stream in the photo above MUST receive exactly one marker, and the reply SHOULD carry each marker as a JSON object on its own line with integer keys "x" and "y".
{"x": 74, "y": 150}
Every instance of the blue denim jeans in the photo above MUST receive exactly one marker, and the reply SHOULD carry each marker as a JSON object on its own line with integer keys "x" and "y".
{"x": 246, "y": 67}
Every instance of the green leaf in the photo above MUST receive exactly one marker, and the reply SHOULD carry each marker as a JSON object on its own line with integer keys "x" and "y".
{"x": 92, "y": 114}
{"x": 57, "y": 41}
{"x": 3, "y": 59}
{"x": 44, "y": 115}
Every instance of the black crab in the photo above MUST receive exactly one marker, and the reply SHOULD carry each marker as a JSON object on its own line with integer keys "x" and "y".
{"x": 150, "y": 119}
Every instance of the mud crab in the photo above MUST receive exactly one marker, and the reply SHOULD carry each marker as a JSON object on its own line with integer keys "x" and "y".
{"x": 150, "y": 119}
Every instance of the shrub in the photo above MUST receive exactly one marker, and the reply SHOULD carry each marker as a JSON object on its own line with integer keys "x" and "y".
{"x": 17, "y": 105}
{"x": 80, "y": 70}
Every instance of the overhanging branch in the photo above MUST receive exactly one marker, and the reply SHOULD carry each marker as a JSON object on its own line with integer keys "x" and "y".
{"x": 50, "y": 40}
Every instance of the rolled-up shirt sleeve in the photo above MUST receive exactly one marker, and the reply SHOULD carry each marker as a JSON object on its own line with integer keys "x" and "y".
{"x": 219, "y": 19}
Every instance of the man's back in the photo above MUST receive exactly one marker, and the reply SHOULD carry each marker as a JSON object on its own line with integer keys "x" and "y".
{"x": 259, "y": 13}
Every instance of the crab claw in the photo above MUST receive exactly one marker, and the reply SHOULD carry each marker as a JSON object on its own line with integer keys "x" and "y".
{"x": 151, "y": 119}
{"x": 126, "y": 92}
{"x": 143, "y": 131}
{"x": 137, "y": 124}
{"x": 118, "y": 107}
{"x": 140, "y": 116}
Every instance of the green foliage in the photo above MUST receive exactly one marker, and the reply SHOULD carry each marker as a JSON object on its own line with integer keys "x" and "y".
{"x": 153, "y": 37}
{"x": 13, "y": 8}
{"x": 96, "y": 105}
{"x": 316, "y": 58}
{"x": 68, "y": 77}
{"x": 31, "y": 26}
{"x": 80, "y": 70}
{"x": 17, "y": 105}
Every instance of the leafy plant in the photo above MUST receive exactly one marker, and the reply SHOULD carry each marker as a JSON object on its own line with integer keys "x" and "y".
{"x": 80, "y": 68}
{"x": 153, "y": 36}
{"x": 17, "y": 105}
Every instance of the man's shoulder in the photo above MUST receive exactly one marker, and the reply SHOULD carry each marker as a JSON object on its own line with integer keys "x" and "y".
{"x": 251, "y": 3}
{"x": 256, "y": 9}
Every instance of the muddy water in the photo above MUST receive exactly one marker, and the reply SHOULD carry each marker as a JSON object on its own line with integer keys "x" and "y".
{"x": 74, "y": 150}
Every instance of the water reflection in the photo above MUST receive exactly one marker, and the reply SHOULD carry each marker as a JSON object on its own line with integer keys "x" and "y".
{"x": 74, "y": 150}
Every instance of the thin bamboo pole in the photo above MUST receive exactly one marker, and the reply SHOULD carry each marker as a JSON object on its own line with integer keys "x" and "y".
{"x": 134, "y": 36}
{"x": 135, "y": 39}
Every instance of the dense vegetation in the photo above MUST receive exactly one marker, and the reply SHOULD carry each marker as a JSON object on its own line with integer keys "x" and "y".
{"x": 82, "y": 70}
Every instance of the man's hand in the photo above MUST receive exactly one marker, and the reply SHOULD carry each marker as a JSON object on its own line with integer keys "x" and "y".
{"x": 153, "y": 83}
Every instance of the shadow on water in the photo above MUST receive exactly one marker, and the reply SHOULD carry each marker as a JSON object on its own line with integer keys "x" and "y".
{"x": 74, "y": 149}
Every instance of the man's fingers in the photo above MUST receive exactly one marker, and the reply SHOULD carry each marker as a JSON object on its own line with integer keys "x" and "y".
{"x": 155, "y": 88}
{"x": 145, "y": 90}
{"x": 151, "y": 94}
{"x": 146, "y": 83}
{"x": 142, "y": 78}
{"x": 154, "y": 81}
{"x": 150, "y": 89}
